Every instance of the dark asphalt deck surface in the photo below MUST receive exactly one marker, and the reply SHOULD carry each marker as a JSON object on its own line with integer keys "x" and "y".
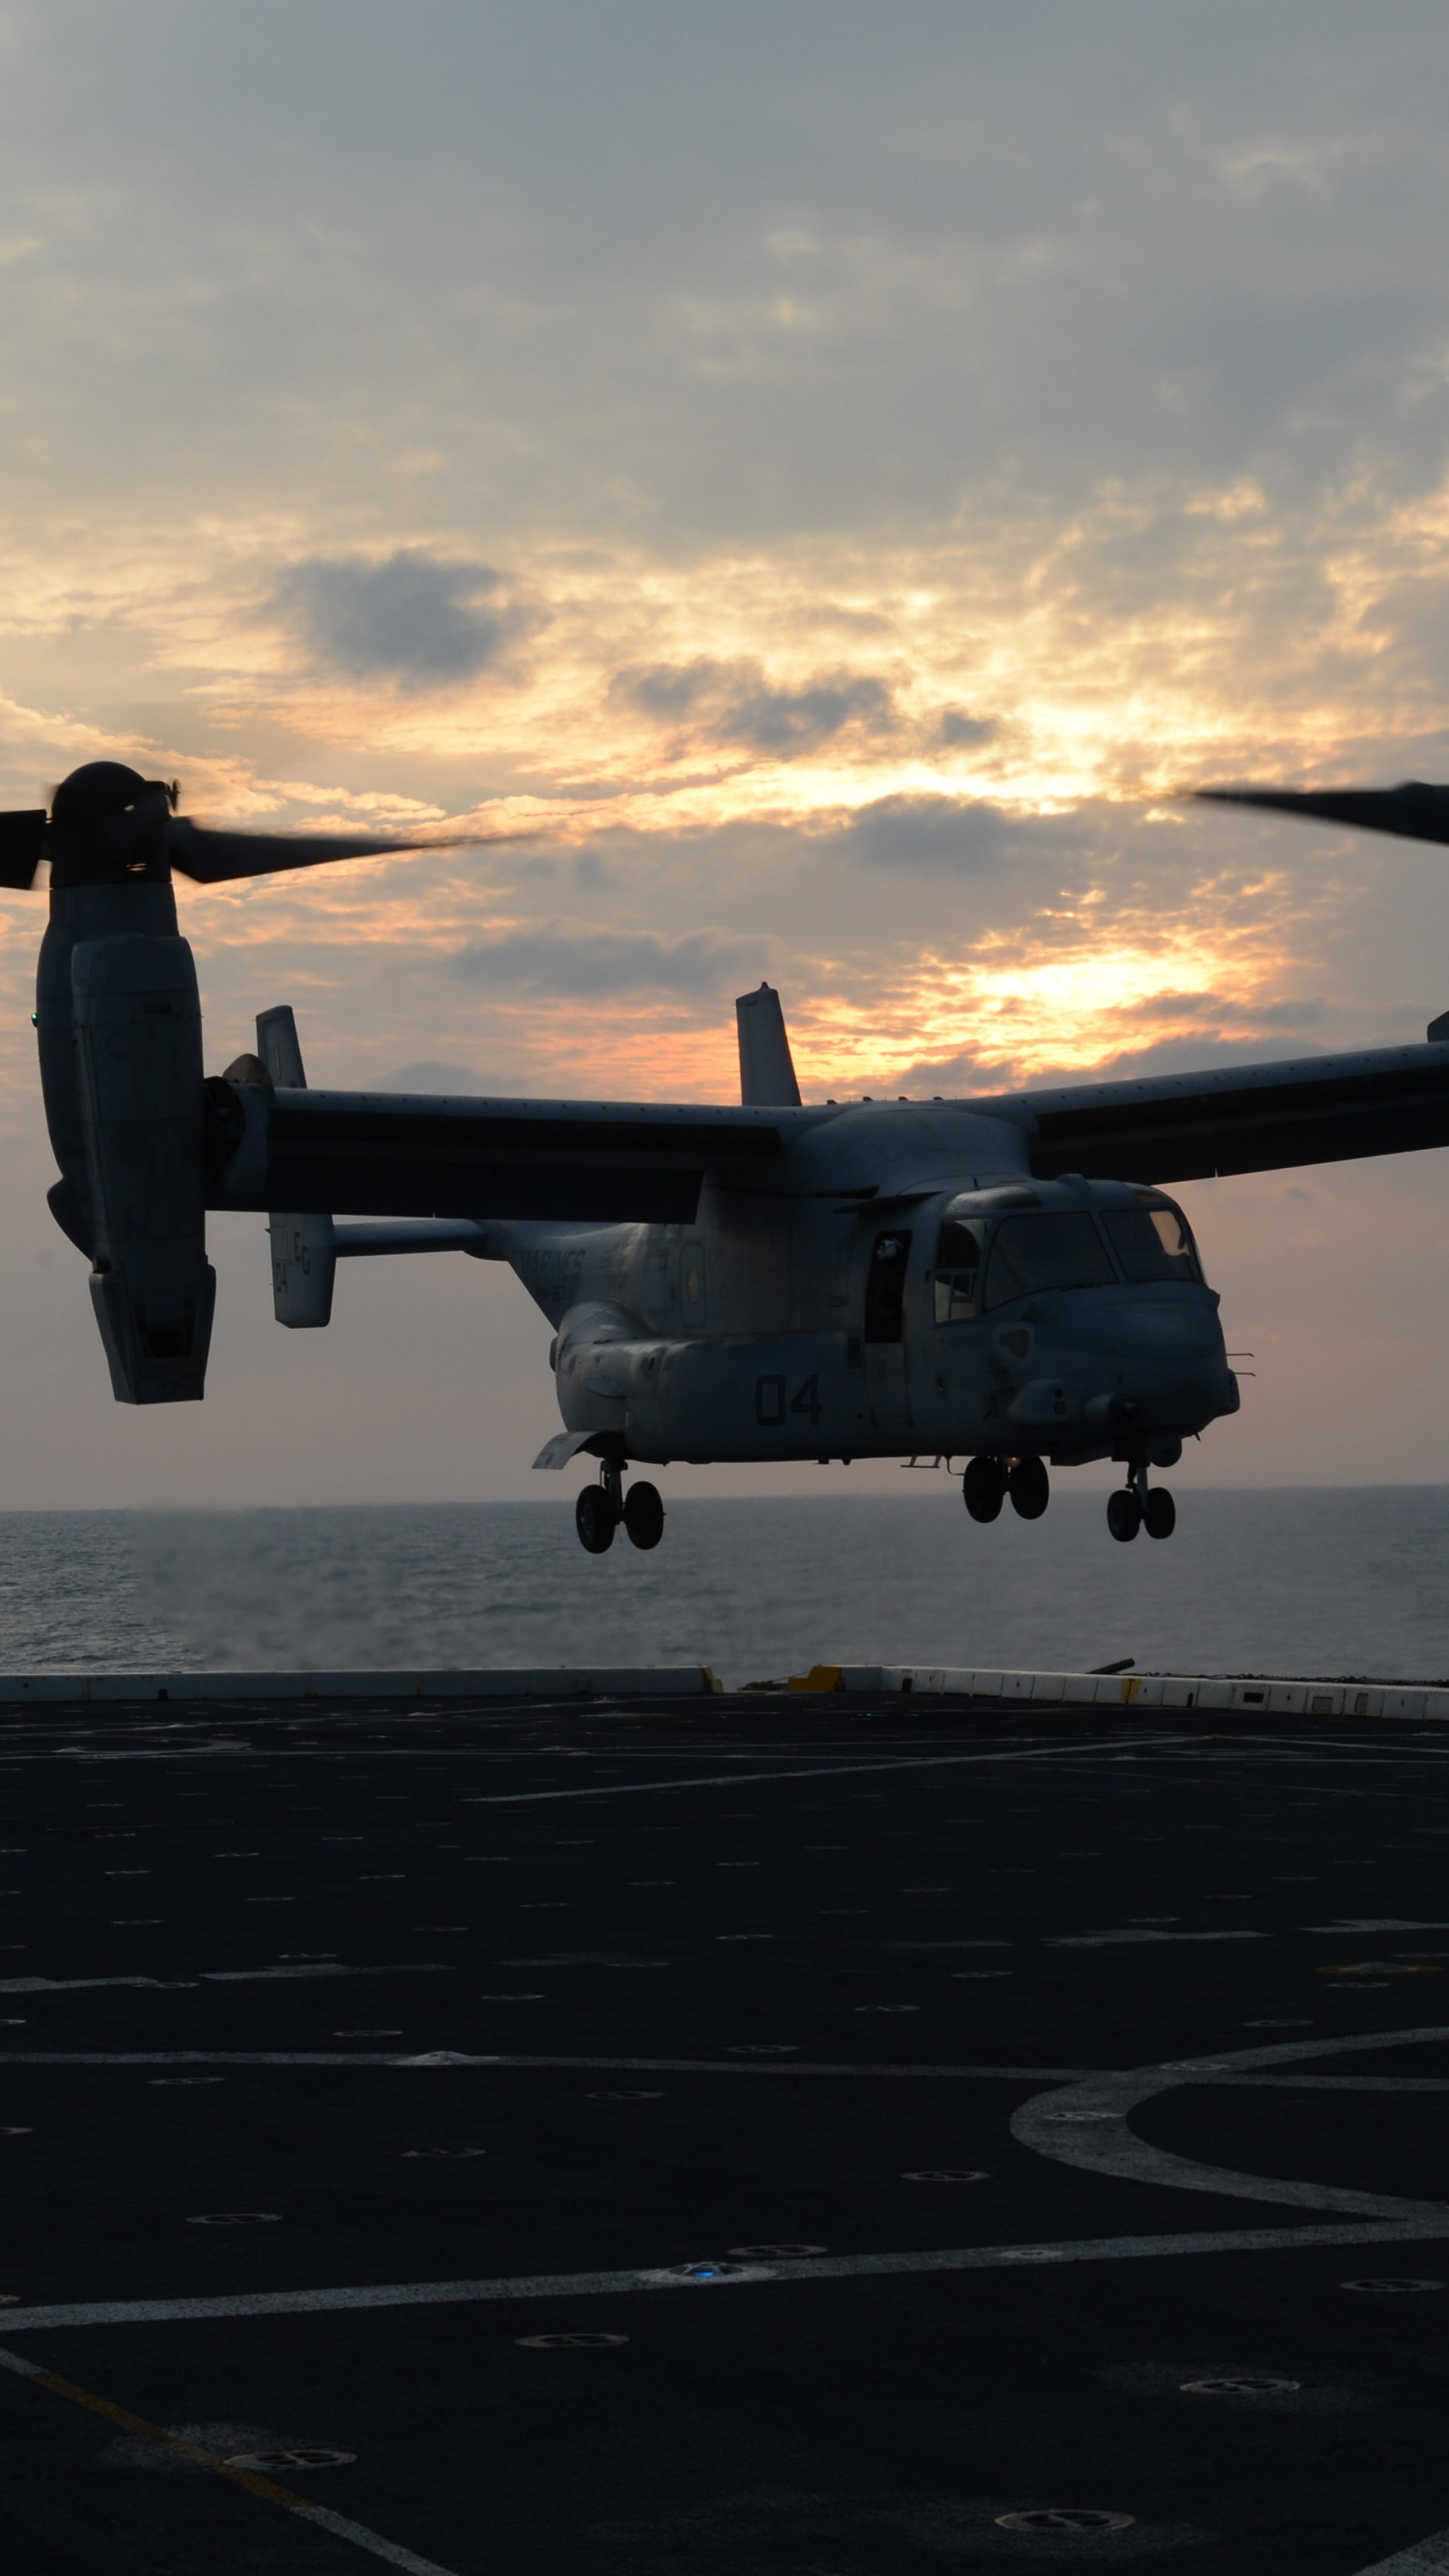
{"x": 509, "y": 2012}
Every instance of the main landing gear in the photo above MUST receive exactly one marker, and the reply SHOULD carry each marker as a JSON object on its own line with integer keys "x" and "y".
{"x": 988, "y": 1481}
{"x": 1137, "y": 1506}
{"x": 601, "y": 1507}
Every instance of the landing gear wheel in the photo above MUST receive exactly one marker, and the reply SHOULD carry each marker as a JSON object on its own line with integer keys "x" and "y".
{"x": 1159, "y": 1513}
{"x": 594, "y": 1520}
{"x": 1030, "y": 1488}
{"x": 1124, "y": 1513}
{"x": 983, "y": 1487}
{"x": 644, "y": 1515}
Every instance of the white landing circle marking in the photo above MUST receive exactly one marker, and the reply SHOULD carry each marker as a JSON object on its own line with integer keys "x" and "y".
{"x": 1065, "y": 2517}
{"x": 1086, "y": 2124}
{"x": 1425, "y": 2558}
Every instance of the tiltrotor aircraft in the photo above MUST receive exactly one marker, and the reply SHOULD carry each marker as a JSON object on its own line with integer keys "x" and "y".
{"x": 1002, "y": 1280}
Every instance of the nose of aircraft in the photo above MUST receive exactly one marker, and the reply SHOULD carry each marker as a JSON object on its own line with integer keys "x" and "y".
{"x": 1181, "y": 1328}
{"x": 1170, "y": 1352}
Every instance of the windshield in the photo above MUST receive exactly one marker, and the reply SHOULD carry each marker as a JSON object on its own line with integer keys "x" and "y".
{"x": 958, "y": 1268}
{"x": 1152, "y": 1242}
{"x": 1046, "y": 1251}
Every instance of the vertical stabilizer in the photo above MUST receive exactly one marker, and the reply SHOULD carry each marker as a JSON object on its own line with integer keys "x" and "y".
{"x": 280, "y": 1048}
{"x": 767, "y": 1072}
{"x": 304, "y": 1248}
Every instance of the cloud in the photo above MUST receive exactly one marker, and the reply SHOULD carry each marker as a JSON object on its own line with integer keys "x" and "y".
{"x": 961, "y": 833}
{"x": 548, "y": 959}
{"x": 734, "y": 702}
{"x": 955, "y": 729}
{"x": 419, "y": 619}
{"x": 430, "y": 1073}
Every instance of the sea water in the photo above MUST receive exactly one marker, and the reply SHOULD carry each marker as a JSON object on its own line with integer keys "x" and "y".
{"x": 1300, "y": 1580}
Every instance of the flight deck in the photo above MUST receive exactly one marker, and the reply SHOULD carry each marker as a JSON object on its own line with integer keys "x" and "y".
{"x": 838, "y": 2135}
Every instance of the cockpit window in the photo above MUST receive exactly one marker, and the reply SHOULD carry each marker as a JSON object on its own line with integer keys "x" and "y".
{"x": 1152, "y": 1242}
{"x": 958, "y": 1269}
{"x": 1046, "y": 1251}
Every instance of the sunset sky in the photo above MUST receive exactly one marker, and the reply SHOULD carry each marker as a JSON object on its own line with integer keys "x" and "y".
{"x": 816, "y": 480}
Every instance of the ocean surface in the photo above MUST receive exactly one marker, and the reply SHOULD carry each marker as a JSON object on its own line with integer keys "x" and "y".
{"x": 1300, "y": 1580}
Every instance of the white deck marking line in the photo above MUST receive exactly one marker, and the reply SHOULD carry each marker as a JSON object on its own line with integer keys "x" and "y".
{"x": 435, "y": 2059}
{"x": 1086, "y": 2125}
{"x": 1345, "y": 1930}
{"x": 217, "y": 1977}
{"x": 829, "y": 1771}
{"x": 1216, "y": 1753}
{"x": 838, "y": 2267}
{"x": 106, "y": 1751}
{"x": 391, "y": 2551}
{"x": 1362, "y": 1747}
{"x": 1339, "y": 1757}
{"x": 1422, "y": 2558}
{"x": 498, "y": 1753}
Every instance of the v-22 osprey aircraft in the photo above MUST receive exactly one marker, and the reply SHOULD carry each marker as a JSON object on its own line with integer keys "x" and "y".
{"x": 1002, "y": 1280}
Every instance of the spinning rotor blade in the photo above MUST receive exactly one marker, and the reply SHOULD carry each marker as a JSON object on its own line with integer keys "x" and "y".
{"x": 1414, "y": 811}
{"x": 109, "y": 826}
{"x": 22, "y": 847}
{"x": 214, "y": 858}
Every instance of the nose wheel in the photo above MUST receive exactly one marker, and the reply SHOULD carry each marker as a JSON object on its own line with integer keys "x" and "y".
{"x": 1138, "y": 1505}
{"x": 601, "y": 1508}
{"x": 594, "y": 1520}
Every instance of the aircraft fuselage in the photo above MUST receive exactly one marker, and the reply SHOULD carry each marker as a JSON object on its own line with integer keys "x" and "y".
{"x": 833, "y": 1315}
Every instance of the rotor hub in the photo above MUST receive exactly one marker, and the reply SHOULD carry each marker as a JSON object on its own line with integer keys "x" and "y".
{"x": 108, "y": 826}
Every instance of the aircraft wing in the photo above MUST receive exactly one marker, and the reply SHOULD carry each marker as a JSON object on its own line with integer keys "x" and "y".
{"x": 374, "y": 1154}
{"x": 1244, "y": 1118}
{"x": 396, "y": 1154}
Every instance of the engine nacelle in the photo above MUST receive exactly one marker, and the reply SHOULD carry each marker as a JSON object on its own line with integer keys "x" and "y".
{"x": 136, "y": 1018}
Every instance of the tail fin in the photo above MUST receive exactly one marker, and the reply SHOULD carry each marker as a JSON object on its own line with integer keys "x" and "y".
{"x": 304, "y": 1248}
{"x": 767, "y": 1071}
{"x": 280, "y": 1048}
